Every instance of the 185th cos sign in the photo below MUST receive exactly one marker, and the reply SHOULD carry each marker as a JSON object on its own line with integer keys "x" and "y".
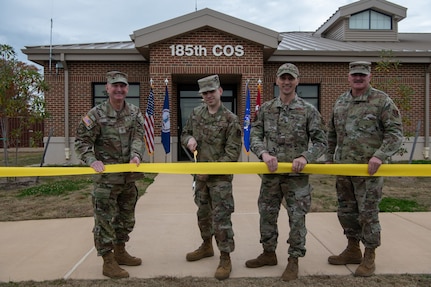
{"x": 199, "y": 50}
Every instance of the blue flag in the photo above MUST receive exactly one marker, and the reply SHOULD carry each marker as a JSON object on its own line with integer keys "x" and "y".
{"x": 166, "y": 124}
{"x": 247, "y": 125}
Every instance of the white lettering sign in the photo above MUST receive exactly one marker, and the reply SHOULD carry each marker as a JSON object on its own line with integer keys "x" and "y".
{"x": 200, "y": 51}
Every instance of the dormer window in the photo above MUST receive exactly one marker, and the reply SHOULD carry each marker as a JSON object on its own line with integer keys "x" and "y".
{"x": 370, "y": 20}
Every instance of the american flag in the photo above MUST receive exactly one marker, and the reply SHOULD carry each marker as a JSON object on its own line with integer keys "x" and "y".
{"x": 149, "y": 123}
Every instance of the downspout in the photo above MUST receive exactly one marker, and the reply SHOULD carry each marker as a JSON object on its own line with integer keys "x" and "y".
{"x": 426, "y": 151}
{"x": 66, "y": 107}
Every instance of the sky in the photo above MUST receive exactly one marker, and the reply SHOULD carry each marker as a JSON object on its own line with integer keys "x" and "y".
{"x": 28, "y": 23}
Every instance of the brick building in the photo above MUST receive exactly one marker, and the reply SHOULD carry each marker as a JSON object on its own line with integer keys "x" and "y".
{"x": 184, "y": 49}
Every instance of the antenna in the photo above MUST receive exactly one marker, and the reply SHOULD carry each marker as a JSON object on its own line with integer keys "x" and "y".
{"x": 50, "y": 48}
{"x": 196, "y": 5}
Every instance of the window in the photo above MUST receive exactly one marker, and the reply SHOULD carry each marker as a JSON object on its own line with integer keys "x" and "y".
{"x": 308, "y": 92}
{"x": 100, "y": 95}
{"x": 370, "y": 20}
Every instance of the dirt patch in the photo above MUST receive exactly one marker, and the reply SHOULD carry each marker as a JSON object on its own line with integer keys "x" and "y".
{"x": 67, "y": 205}
{"x": 78, "y": 204}
{"x": 417, "y": 189}
{"x": 309, "y": 281}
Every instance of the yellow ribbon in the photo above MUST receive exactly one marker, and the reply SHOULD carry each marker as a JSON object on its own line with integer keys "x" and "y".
{"x": 415, "y": 170}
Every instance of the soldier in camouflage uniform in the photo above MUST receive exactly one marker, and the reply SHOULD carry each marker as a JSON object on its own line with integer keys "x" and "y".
{"x": 365, "y": 128}
{"x": 215, "y": 133}
{"x": 112, "y": 133}
{"x": 282, "y": 132}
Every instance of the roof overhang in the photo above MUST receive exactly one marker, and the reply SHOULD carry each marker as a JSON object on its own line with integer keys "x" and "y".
{"x": 341, "y": 56}
{"x": 112, "y": 51}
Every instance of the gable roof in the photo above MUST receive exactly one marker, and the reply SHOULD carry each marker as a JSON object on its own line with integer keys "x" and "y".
{"x": 269, "y": 39}
{"x": 396, "y": 11}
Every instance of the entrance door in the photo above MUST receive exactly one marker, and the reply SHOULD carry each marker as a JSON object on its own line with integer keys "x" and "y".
{"x": 188, "y": 99}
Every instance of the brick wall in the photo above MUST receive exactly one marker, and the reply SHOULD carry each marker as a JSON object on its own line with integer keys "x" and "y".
{"x": 332, "y": 78}
{"x": 82, "y": 75}
{"x": 164, "y": 65}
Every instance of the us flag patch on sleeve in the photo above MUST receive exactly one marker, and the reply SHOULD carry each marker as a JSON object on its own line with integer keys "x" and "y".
{"x": 87, "y": 121}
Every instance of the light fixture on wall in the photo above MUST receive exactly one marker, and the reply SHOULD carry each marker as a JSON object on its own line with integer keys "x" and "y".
{"x": 58, "y": 65}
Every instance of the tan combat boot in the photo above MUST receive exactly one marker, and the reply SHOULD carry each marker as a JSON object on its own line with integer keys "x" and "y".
{"x": 124, "y": 258}
{"x": 351, "y": 255}
{"x": 291, "y": 271}
{"x": 111, "y": 267}
{"x": 266, "y": 258}
{"x": 224, "y": 268}
{"x": 205, "y": 250}
{"x": 367, "y": 266}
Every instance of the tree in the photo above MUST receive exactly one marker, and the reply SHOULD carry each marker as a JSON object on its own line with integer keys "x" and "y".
{"x": 21, "y": 95}
{"x": 403, "y": 93}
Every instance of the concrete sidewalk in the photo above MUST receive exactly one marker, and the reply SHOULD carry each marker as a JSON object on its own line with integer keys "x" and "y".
{"x": 166, "y": 229}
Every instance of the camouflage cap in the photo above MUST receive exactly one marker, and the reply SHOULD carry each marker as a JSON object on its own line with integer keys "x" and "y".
{"x": 288, "y": 68}
{"x": 116, "y": 77}
{"x": 360, "y": 67}
{"x": 209, "y": 83}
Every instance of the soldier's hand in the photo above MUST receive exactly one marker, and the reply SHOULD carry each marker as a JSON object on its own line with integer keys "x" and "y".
{"x": 298, "y": 164}
{"x": 192, "y": 144}
{"x": 271, "y": 161}
{"x": 98, "y": 166}
{"x": 135, "y": 160}
{"x": 373, "y": 165}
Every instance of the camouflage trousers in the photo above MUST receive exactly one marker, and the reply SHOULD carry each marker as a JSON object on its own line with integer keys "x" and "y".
{"x": 296, "y": 191}
{"x": 215, "y": 203}
{"x": 358, "y": 207}
{"x": 114, "y": 214}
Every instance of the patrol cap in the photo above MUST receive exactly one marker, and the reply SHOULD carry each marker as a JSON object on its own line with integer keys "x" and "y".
{"x": 288, "y": 68}
{"x": 360, "y": 67}
{"x": 209, "y": 83}
{"x": 116, "y": 77}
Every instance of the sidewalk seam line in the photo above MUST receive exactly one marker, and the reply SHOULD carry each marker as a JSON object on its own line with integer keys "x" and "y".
{"x": 77, "y": 264}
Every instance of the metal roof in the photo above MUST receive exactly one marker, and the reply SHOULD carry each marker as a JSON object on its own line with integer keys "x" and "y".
{"x": 305, "y": 41}
{"x": 414, "y": 47}
{"x": 122, "y": 45}
{"x": 305, "y": 46}
{"x": 291, "y": 41}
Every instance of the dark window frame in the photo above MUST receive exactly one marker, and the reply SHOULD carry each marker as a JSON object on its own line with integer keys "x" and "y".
{"x": 298, "y": 91}
{"x": 370, "y": 21}
{"x": 132, "y": 97}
